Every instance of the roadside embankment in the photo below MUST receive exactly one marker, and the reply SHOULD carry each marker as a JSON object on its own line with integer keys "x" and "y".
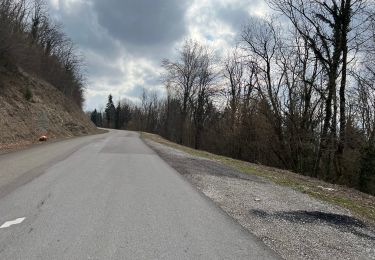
{"x": 298, "y": 217}
{"x": 30, "y": 108}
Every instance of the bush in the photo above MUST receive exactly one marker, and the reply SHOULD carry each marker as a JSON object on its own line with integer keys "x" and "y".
{"x": 367, "y": 172}
{"x": 28, "y": 94}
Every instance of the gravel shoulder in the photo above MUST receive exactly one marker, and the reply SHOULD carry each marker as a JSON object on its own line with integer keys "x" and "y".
{"x": 294, "y": 224}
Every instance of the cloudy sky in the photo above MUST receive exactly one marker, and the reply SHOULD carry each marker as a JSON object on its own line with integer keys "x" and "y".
{"x": 124, "y": 41}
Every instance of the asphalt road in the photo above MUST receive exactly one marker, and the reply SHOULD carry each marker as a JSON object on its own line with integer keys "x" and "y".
{"x": 110, "y": 197}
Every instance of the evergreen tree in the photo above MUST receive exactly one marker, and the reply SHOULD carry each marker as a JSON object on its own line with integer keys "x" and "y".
{"x": 94, "y": 117}
{"x": 110, "y": 112}
{"x": 99, "y": 119}
{"x": 118, "y": 122}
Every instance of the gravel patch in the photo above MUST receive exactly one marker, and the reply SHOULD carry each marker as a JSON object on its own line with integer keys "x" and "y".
{"x": 292, "y": 223}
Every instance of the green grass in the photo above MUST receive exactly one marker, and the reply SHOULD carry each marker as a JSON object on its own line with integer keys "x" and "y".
{"x": 360, "y": 204}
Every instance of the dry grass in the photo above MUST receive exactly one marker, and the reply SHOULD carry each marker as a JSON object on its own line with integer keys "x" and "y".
{"x": 360, "y": 204}
{"x": 23, "y": 121}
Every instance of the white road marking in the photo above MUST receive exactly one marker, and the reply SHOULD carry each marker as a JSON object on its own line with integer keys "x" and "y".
{"x": 12, "y": 222}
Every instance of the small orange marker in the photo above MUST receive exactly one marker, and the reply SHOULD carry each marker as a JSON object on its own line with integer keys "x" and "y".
{"x": 43, "y": 138}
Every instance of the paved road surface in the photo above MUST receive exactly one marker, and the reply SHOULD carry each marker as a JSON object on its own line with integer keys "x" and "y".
{"x": 110, "y": 197}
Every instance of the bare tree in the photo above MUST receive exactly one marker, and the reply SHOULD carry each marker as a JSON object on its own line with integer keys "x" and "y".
{"x": 234, "y": 72}
{"x": 326, "y": 27}
{"x": 262, "y": 42}
{"x": 182, "y": 75}
{"x": 32, "y": 41}
{"x": 201, "y": 102}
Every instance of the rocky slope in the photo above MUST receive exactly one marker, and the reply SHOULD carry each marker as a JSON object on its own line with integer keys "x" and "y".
{"x": 30, "y": 107}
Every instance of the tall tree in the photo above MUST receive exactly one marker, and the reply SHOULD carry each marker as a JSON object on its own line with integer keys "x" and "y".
{"x": 325, "y": 27}
{"x": 201, "y": 102}
{"x": 110, "y": 112}
{"x": 182, "y": 75}
{"x": 94, "y": 117}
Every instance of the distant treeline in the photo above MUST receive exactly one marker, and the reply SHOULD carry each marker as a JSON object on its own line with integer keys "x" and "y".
{"x": 32, "y": 41}
{"x": 297, "y": 95}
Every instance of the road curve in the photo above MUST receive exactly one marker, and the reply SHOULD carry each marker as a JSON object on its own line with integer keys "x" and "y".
{"x": 111, "y": 197}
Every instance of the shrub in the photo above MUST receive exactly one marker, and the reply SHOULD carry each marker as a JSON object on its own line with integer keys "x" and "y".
{"x": 367, "y": 173}
{"x": 28, "y": 94}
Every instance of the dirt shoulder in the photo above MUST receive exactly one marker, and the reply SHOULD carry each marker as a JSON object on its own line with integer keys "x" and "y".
{"x": 22, "y": 144}
{"x": 299, "y": 217}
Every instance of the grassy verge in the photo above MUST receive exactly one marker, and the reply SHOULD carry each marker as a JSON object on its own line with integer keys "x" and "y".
{"x": 360, "y": 204}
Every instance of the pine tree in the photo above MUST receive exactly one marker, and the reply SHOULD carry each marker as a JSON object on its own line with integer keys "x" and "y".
{"x": 118, "y": 116}
{"x": 110, "y": 112}
{"x": 94, "y": 117}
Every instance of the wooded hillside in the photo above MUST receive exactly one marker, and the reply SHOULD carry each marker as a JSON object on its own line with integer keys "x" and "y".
{"x": 41, "y": 85}
{"x": 32, "y": 41}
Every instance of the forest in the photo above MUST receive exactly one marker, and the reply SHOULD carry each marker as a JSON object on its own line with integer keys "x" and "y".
{"x": 297, "y": 92}
{"x": 31, "y": 41}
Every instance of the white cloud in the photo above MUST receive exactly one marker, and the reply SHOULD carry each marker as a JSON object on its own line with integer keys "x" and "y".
{"x": 55, "y": 4}
{"x": 117, "y": 65}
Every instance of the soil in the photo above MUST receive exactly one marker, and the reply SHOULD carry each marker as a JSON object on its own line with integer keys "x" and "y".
{"x": 30, "y": 107}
